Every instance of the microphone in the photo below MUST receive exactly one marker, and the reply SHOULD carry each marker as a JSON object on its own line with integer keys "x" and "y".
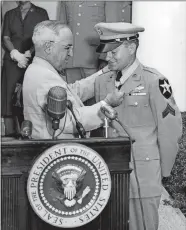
{"x": 79, "y": 126}
{"x": 109, "y": 112}
{"x": 56, "y": 105}
{"x": 26, "y": 129}
{"x": 112, "y": 114}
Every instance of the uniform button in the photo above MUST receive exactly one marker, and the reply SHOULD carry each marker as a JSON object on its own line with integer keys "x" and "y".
{"x": 114, "y": 131}
{"x": 80, "y": 5}
{"x": 95, "y": 4}
{"x": 77, "y": 33}
{"x": 123, "y": 10}
{"x": 136, "y": 103}
{"x": 78, "y": 24}
{"x": 147, "y": 158}
{"x": 79, "y": 14}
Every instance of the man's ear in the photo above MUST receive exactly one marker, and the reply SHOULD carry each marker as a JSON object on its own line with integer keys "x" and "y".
{"x": 48, "y": 47}
{"x": 132, "y": 48}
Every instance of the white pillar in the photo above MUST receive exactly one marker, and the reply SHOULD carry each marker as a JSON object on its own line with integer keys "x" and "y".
{"x": 163, "y": 44}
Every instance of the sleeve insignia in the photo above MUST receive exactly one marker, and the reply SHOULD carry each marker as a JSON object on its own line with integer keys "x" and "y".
{"x": 165, "y": 88}
{"x": 168, "y": 110}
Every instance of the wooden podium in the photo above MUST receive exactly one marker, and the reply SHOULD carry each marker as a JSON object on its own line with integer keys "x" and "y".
{"x": 17, "y": 159}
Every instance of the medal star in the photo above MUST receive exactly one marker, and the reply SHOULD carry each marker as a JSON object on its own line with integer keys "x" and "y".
{"x": 166, "y": 87}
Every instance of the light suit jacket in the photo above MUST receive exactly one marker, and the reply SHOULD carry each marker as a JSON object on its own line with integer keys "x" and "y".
{"x": 81, "y": 16}
{"x": 39, "y": 77}
{"x": 155, "y": 132}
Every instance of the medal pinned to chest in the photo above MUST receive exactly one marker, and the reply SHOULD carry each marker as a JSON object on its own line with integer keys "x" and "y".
{"x": 138, "y": 91}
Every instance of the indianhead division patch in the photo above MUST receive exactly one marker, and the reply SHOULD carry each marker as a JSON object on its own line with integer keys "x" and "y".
{"x": 165, "y": 88}
{"x": 69, "y": 185}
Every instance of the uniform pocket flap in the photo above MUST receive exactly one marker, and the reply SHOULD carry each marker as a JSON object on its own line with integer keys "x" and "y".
{"x": 137, "y": 100}
{"x": 95, "y": 4}
{"x": 145, "y": 153}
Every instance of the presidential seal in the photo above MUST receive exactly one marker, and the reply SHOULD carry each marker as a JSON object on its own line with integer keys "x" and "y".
{"x": 69, "y": 185}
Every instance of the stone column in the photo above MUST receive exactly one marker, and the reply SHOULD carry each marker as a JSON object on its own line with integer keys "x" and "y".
{"x": 163, "y": 44}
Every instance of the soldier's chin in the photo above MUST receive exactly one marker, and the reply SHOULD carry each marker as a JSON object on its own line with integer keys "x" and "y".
{"x": 112, "y": 66}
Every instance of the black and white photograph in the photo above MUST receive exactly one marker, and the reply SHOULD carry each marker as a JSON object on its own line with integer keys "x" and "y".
{"x": 93, "y": 115}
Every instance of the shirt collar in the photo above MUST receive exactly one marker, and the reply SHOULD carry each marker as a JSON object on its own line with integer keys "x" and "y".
{"x": 44, "y": 63}
{"x": 32, "y": 8}
{"x": 126, "y": 73}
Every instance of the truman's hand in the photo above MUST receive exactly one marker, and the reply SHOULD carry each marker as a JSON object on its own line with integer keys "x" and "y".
{"x": 106, "y": 69}
{"x": 115, "y": 98}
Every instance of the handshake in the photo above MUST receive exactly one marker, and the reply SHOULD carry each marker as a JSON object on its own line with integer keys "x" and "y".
{"x": 21, "y": 59}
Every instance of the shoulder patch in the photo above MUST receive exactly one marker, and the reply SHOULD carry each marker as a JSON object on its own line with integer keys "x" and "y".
{"x": 165, "y": 88}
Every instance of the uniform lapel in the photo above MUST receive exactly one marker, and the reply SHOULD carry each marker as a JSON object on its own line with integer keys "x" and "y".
{"x": 133, "y": 81}
{"x": 110, "y": 83}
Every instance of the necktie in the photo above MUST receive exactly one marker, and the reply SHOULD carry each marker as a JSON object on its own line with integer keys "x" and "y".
{"x": 119, "y": 74}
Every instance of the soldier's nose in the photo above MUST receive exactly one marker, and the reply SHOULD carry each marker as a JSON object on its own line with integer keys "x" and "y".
{"x": 109, "y": 56}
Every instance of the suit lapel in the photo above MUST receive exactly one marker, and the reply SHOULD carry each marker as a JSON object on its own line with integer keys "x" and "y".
{"x": 76, "y": 97}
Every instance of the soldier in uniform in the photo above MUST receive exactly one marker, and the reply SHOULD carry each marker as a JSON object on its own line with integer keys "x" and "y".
{"x": 148, "y": 111}
{"x": 81, "y": 17}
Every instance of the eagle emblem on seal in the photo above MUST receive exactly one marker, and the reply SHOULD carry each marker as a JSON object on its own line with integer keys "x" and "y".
{"x": 69, "y": 181}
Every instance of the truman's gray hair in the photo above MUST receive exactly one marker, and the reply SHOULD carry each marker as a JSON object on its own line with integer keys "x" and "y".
{"x": 47, "y": 31}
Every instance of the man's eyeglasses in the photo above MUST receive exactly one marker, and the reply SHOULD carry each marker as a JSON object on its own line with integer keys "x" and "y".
{"x": 67, "y": 47}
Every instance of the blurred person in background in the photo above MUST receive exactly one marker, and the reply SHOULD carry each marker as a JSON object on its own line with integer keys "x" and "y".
{"x": 18, "y": 26}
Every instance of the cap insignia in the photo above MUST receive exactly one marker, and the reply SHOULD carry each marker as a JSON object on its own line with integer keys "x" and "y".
{"x": 100, "y": 32}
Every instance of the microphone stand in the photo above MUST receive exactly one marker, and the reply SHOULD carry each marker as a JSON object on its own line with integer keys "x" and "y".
{"x": 106, "y": 126}
{"x": 53, "y": 134}
{"x": 79, "y": 126}
{"x": 55, "y": 126}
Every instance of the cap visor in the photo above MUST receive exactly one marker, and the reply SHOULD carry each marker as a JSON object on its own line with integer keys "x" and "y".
{"x": 106, "y": 47}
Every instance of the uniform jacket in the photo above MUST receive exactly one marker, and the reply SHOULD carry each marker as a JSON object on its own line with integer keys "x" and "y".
{"x": 81, "y": 16}
{"x": 153, "y": 121}
{"x": 39, "y": 77}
